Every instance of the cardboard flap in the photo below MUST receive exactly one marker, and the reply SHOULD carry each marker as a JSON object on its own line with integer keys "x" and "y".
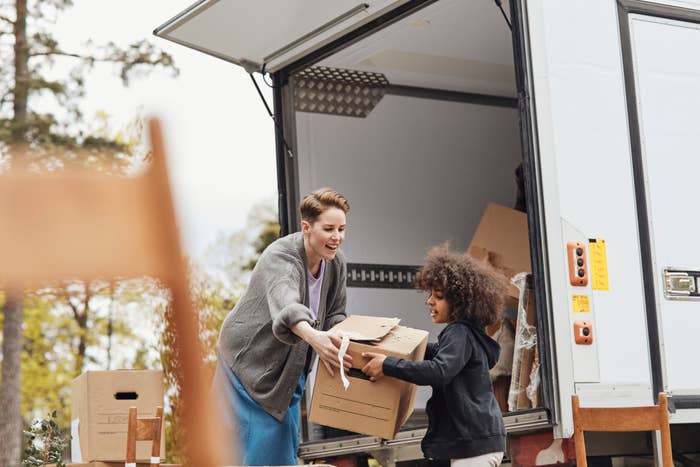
{"x": 366, "y": 328}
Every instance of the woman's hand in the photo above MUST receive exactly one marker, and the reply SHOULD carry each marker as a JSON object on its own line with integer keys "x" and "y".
{"x": 325, "y": 344}
{"x": 374, "y": 369}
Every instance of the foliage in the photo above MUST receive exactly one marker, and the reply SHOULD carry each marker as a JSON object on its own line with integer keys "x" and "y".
{"x": 45, "y": 443}
{"x": 105, "y": 150}
{"x": 211, "y": 301}
{"x": 31, "y": 54}
{"x": 47, "y": 360}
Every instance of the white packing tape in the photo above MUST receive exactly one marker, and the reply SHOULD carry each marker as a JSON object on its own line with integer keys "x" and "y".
{"x": 75, "y": 440}
{"x": 341, "y": 355}
{"x": 155, "y": 460}
{"x": 130, "y": 464}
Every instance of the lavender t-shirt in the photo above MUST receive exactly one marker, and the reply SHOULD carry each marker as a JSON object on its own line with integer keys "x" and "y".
{"x": 315, "y": 289}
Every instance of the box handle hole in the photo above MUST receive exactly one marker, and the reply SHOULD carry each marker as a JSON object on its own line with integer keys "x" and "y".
{"x": 355, "y": 373}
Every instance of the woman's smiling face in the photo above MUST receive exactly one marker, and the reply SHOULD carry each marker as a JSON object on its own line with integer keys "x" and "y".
{"x": 323, "y": 237}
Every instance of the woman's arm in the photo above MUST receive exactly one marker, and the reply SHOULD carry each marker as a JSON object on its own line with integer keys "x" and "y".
{"x": 291, "y": 319}
{"x": 325, "y": 345}
{"x": 292, "y": 322}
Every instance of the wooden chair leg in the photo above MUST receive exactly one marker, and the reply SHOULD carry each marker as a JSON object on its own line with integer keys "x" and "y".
{"x": 579, "y": 442}
{"x": 131, "y": 438}
{"x": 157, "y": 428}
{"x": 666, "y": 452}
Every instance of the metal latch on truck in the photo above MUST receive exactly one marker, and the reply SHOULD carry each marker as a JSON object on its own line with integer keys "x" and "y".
{"x": 681, "y": 284}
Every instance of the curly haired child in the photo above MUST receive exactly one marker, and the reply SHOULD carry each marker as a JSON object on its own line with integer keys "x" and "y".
{"x": 465, "y": 423}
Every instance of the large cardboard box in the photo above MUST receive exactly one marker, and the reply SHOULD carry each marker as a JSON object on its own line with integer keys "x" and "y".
{"x": 502, "y": 240}
{"x": 100, "y": 412}
{"x": 373, "y": 408}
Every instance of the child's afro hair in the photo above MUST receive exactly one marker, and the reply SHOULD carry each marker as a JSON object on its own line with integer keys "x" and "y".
{"x": 474, "y": 291}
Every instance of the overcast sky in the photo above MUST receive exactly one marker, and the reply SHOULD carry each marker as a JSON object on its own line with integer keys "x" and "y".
{"x": 219, "y": 138}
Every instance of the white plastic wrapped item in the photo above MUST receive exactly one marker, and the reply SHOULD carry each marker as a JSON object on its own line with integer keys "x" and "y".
{"x": 524, "y": 348}
{"x": 505, "y": 337}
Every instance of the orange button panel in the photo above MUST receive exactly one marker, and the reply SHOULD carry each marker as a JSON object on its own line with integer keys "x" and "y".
{"x": 583, "y": 332}
{"x": 578, "y": 268}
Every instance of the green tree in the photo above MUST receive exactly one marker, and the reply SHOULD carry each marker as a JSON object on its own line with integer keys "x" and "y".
{"x": 46, "y": 370}
{"x": 28, "y": 50}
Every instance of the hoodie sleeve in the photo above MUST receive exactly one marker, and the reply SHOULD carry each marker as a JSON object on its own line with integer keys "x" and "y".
{"x": 430, "y": 350}
{"x": 453, "y": 352}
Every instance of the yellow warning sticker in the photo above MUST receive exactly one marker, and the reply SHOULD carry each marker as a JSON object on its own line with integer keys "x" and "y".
{"x": 599, "y": 264}
{"x": 581, "y": 303}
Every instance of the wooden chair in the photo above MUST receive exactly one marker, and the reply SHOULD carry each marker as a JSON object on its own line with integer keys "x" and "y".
{"x": 143, "y": 429}
{"x": 650, "y": 418}
{"x": 73, "y": 224}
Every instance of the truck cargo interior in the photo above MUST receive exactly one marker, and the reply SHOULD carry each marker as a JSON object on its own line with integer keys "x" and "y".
{"x": 418, "y": 125}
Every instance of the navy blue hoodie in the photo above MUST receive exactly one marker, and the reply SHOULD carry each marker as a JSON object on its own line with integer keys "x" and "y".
{"x": 464, "y": 419}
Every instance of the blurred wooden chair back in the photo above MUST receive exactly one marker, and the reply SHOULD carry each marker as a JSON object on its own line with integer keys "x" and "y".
{"x": 143, "y": 429}
{"x": 650, "y": 418}
{"x": 83, "y": 225}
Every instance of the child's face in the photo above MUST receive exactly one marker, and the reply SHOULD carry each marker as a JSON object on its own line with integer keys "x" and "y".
{"x": 438, "y": 307}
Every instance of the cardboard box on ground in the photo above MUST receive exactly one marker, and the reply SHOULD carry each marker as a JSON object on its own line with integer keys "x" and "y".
{"x": 502, "y": 240}
{"x": 373, "y": 408}
{"x": 100, "y": 413}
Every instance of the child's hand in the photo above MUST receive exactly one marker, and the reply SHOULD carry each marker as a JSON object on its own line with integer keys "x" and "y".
{"x": 373, "y": 369}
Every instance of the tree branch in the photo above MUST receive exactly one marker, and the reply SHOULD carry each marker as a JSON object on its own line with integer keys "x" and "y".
{"x": 7, "y": 20}
{"x": 58, "y": 52}
{"x": 76, "y": 313}
{"x": 6, "y": 98}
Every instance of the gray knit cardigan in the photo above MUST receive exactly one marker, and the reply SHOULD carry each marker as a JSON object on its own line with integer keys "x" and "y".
{"x": 256, "y": 341}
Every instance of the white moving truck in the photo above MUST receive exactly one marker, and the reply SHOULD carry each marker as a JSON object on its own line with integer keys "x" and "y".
{"x": 419, "y": 111}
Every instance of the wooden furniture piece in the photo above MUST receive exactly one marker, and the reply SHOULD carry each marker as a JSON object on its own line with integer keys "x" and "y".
{"x": 143, "y": 429}
{"x": 650, "y": 418}
{"x": 77, "y": 224}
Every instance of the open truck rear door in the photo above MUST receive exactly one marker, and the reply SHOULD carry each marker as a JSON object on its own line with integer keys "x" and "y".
{"x": 661, "y": 80}
{"x": 266, "y": 35}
